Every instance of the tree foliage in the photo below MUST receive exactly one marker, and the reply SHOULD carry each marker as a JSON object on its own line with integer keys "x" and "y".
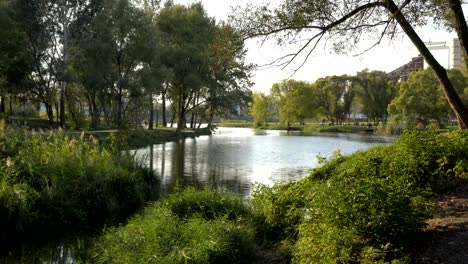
{"x": 346, "y": 22}
{"x": 421, "y": 98}
{"x": 294, "y": 101}
{"x": 375, "y": 90}
{"x": 259, "y": 109}
{"x": 117, "y": 59}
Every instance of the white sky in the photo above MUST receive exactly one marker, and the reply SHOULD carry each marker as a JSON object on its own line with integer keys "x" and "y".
{"x": 386, "y": 57}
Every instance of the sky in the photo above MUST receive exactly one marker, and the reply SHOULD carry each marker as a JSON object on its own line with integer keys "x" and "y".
{"x": 385, "y": 57}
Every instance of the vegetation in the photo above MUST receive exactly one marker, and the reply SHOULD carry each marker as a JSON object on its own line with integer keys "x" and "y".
{"x": 294, "y": 101}
{"x": 345, "y": 24}
{"x": 364, "y": 207}
{"x": 113, "y": 61}
{"x": 187, "y": 227}
{"x": 50, "y": 183}
{"x": 259, "y": 109}
{"x": 421, "y": 99}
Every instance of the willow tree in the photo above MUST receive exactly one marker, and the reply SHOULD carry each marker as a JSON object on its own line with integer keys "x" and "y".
{"x": 345, "y": 22}
{"x": 186, "y": 34}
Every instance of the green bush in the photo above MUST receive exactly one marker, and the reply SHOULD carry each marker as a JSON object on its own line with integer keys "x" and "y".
{"x": 206, "y": 204}
{"x": 187, "y": 227}
{"x": 51, "y": 182}
{"x": 363, "y": 207}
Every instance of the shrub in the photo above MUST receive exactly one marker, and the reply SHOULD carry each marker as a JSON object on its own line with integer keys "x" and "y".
{"x": 364, "y": 207}
{"x": 206, "y": 204}
{"x": 166, "y": 233}
{"x": 52, "y": 182}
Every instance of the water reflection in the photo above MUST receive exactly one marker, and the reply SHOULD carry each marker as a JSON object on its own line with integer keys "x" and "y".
{"x": 236, "y": 158}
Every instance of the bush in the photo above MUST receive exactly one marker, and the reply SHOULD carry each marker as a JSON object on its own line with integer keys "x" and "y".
{"x": 52, "y": 182}
{"x": 26, "y": 111}
{"x": 188, "y": 227}
{"x": 364, "y": 207}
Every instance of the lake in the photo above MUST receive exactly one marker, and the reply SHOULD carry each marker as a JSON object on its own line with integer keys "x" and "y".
{"x": 237, "y": 158}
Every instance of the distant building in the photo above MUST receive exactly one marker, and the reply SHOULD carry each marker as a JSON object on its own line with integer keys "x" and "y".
{"x": 402, "y": 73}
{"x": 447, "y": 53}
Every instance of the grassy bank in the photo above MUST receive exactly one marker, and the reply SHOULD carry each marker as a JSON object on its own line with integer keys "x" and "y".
{"x": 187, "y": 227}
{"x": 366, "y": 207}
{"x": 362, "y": 208}
{"x": 52, "y": 183}
{"x": 315, "y": 128}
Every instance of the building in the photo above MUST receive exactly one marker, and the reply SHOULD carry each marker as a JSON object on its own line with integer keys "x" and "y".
{"x": 402, "y": 73}
{"x": 447, "y": 53}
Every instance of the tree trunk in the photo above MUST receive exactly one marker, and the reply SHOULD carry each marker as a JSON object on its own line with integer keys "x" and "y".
{"x": 62, "y": 105}
{"x": 192, "y": 121}
{"x": 50, "y": 114}
{"x": 180, "y": 113}
{"x": 10, "y": 104}
{"x": 157, "y": 115}
{"x": 57, "y": 107}
{"x": 119, "y": 107}
{"x": 453, "y": 99}
{"x": 163, "y": 109}
{"x": 151, "y": 114}
{"x": 461, "y": 27}
{"x": 2, "y": 105}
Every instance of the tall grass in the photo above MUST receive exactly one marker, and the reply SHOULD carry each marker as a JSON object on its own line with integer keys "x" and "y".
{"x": 52, "y": 182}
{"x": 187, "y": 227}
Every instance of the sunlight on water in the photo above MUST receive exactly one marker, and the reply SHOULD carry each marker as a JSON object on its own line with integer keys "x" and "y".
{"x": 237, "y": 158}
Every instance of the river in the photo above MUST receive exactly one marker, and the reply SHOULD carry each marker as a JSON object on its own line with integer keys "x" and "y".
{"x": 237, "y": 158}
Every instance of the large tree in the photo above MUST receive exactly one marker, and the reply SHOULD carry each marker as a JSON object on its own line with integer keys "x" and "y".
{"x": 335, "y": 95}
{"x": 229, "y": 82}
{"x": 259, "y": 109}
{"x": 294, "y": 100}
{"x": 186, "y": 33}
{"x": 345, "y": 22}
{"x": 375, "y": 91}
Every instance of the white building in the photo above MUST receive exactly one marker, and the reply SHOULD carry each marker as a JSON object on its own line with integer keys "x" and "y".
{"x": 447, "y": 53}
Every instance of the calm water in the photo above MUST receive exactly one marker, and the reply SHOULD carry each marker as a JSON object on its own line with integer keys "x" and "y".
{"x": 237, "y": 158}
{"x": 232, "y": 158}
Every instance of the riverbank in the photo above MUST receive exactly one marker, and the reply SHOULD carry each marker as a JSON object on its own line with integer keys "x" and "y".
{"x": 362, "y": 208}
{"x": 315, "y": 128}
{"x": 127, "y": 138}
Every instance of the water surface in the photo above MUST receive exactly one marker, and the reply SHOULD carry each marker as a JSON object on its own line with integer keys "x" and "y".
{"x": 237, "y": 158}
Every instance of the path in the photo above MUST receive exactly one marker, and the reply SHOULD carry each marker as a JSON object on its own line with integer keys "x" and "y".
{"x": 445, "y": 239}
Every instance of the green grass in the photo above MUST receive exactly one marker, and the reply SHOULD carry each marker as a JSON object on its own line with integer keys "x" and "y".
{"x": 51, "y": 183}
{"x": 306, "y": 128}
{"x": 338, "y": 129}
{"x": 187, "y": 227}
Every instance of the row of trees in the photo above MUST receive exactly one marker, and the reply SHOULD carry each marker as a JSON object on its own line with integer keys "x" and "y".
{"x": 114, "y": 59}
{"x": 370, "y": 94}
{"x": 345, "y": 23}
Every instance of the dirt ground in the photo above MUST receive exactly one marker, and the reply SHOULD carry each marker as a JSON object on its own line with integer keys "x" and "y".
{"x": 445, "y": 239}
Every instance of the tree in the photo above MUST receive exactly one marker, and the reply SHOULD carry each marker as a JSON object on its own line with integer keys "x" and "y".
{"x": 259, "y": 109}
{"x": 335, "y": 96}
{"x": 421, "y": 98}
{"x": 345, "y": 22}
{"x": 375, "y": 91}
{"x": 228, "y": 87}
{"x": 294, "y": 100}
{"x": 186, "y": 36}
{"x": 14, "y": 60}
